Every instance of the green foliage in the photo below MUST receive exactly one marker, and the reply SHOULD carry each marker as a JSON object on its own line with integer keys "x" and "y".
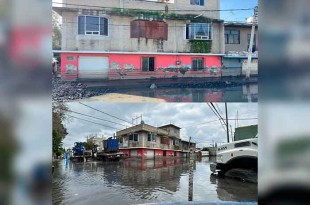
{"x": 158, "y": 15}
{"x": 59, "y": 131}
{"x": 56, "y": 32}
{"x": 134, "y": 12}
{"x": 205, "y": 149}
{"x": 89, "y": 145}
{"x": 200, "y": 46}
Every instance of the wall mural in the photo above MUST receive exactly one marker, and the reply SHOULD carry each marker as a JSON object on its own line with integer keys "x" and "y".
{"x": 70, "y": 68}
{"x": 214, "y": 70}
{"x": 122, "y": 72}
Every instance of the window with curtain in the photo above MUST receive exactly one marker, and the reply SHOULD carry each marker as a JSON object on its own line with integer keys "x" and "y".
{"x": 93, "y": 25}
{"x": 199, "y": 31}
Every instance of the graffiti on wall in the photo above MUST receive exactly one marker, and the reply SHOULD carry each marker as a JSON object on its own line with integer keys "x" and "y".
{"x": 70, "y": 68}
{"x": 172, "y": 68}
{"x": 214, "y": 70}
{"x": 126, "y": 68}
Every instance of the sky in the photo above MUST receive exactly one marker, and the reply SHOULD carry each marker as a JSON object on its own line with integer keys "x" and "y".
{"x": 185, "y": 115}
{"x": 236, "y": 4}
{"x": 229, "y": 4}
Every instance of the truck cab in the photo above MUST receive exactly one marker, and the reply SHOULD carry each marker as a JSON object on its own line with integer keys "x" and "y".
{"x": 238, "y": 155}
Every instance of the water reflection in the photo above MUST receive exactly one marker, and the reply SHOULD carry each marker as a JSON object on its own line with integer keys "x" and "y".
{"x": 142, "y": 181}
{"x": 241, "y": 93}
{"x": 245, "y": 93}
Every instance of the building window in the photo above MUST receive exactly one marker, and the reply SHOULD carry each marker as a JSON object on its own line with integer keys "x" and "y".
{"x": 198, "y": 2}
{"x": 148, "y": 63}
{"x": 120, "y": 140}
{"x": 134, "y": 137}
{"x": 199, "y": 31}
{"x": 176, "y": 142}
{"x": 232, "y": 37}
{"x": 70, "y": 58}
{"x": 197, "y": 64}
{"x": 151, "y": 138}
{"x": 92, "y": 25}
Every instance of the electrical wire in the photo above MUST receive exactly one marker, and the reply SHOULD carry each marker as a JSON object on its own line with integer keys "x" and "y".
{"x": 106, "y": 113}
{"x": 92, "y": 122}
{"x": 93, "y": 117}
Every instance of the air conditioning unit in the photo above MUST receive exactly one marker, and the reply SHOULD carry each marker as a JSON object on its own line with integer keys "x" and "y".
{"x": 201, "y": 37}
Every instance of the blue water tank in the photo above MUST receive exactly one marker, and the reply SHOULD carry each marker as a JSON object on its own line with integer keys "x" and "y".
{"x": 111, "y": 145}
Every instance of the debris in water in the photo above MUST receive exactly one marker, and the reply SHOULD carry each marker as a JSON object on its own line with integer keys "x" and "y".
{"x": 153, "y": 86}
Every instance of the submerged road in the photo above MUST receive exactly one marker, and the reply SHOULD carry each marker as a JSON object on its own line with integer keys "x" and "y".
{"x": 148, "y": 181}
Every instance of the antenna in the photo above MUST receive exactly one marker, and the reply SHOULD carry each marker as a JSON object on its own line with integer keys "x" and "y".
{"x": 135, "y": 120}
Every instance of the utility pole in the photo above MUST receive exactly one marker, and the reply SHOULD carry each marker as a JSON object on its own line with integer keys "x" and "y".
{"x": 227, "y": 130}
{"x": 248, "y": 70}
{"x": 191, "y": 174}
{"x": 232, "y": 138}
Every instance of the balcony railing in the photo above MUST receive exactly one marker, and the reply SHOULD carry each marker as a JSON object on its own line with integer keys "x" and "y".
{"x": 151, "y": 145}
{"x": 164, "y": 146}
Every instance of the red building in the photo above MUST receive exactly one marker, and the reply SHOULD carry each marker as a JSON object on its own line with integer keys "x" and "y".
{"x": 137, "y": 65}
{"x": 148, "y": 142}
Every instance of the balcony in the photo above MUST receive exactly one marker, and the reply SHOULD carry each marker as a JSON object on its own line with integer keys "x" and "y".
{"x": 164, "y": 146}
{"x": 151, "y": 145}
{"x": 130, "y": 144}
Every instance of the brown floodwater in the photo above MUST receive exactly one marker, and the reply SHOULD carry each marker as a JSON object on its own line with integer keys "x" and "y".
{"x": 144, "y": 181}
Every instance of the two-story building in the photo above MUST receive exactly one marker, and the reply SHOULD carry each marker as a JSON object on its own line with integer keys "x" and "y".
{"x": 237, "y": 41}
{"x": 149, "y": 142}
{"x": 120, "y": 39}
{"x": 97, "y": 140}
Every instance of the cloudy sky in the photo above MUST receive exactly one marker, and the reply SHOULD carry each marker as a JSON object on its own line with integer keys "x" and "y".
{"x": 195, "y": 119}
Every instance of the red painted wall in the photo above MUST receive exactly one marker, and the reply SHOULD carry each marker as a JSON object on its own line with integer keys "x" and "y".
{"x": 159, "y": 152}
{"x": 126, "y": 151}
{"x": 129, "y": 66}
{"x": 169, "y": 153}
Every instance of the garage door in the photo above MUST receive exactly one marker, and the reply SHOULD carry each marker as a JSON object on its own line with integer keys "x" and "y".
{"x": 133, "y": 153}
{"x": 93, "y": 67}
{"x": 150, "y": 154}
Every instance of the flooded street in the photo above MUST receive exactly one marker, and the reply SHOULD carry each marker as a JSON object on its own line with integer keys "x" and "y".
{"x": 136, "y": 181}
{"x": 242, "y": 93}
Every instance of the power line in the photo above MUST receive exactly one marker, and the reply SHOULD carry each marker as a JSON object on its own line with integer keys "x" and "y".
{"x": 194, "y": 125}
{"x": 217, "y": 116}
{"x": 92, "y": 122}
{"x": 200, "y": 10}
{"x": 200, "y": 123}
{"x": 105, "y": 113}
{"x": 218, "y": 113}
{"x": 93, "y": 117}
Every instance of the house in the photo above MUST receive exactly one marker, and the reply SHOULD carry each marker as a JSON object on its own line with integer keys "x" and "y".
{"x": 97, "y": 140}
{"x": 237, "y": 37}
{"x": 134, "y": 39}
{"x": 140, "y": 25}
{"x": 237, "y": 41}
{"x": 149, "y": 142}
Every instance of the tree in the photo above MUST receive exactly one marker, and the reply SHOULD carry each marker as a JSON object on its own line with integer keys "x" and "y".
{"x": 56, "y": 31}
{"x": 59, "y": 131}
{"x": 89, "y": 145}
